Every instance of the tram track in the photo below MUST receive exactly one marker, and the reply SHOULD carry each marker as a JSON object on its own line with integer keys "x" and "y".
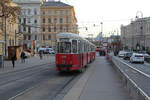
{"x": 11, "y": 85}
{"x": 21, "y": 70}
{"x": 53, "y": 90}
{"x": 4, "y": 79}
{"x": 22, "y": 77}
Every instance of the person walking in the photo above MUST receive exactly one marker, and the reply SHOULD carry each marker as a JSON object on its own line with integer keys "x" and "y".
{"x": 41, "y": 54}
{"x": 13, "y": 58}
{"x": 22, "y": 56}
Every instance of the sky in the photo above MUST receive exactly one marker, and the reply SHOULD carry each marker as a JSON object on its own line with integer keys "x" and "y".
{"x": 112, "y": 13}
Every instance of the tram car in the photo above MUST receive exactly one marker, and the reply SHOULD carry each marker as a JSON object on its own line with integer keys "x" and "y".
{"x": 73, "y": 52}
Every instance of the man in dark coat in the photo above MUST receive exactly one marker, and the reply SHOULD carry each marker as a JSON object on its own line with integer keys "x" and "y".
{"x": 13, "y": 58}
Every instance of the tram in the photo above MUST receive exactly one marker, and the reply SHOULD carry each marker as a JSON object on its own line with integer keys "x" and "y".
{"x": 73, "y": 52}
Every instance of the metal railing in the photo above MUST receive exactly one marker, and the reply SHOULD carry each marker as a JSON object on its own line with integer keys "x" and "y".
{"x": 137, "y": 82}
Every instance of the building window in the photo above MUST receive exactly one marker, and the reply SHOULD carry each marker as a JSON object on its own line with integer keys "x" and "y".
{"x": 55, "y": 13}
{"x": 67, "y": 28}
{"x": 61, "y": 12}
{"x": 29, "y": 11}
{"x": 49, "y": 13}
{"x": 67, "y": 19}
{"x": 43, "y": 37}
{"x": 29, "y": 37}
{"x": 43, "y": 12}
{"x": 10, "y": 42}
{"x": 55, "y": 29}
{"x": 19, "y": 20}
{"x": 49, "y": 37}
{"x": 43, "y": 29}
{"x": 35, "y": 37}
{"x": 29, "y": 29}
{"x": 43, "y": 20}
{"x": 61, "y": 28}
{"x": 55, "y": 20}
{"x": 35, "y": 11}
{"x": 61, "y": 20}
{"x": 35, "y": 21}
{"x": 49, "y": 29}
{"x": 49, "y": 20}
{"x": 25, "y": 37}
{"x": 35, "y": 29}
{"x": 29, "y": 20}
{"x": 67, "y": 12}
{"x": 24, "y": 20}
{"x": 24, "y": 29}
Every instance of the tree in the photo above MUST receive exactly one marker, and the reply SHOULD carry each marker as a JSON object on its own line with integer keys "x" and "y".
{"x": 8, "y": 10}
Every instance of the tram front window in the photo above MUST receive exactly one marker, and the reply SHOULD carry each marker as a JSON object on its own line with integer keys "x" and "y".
{"x": 64, "y": 47}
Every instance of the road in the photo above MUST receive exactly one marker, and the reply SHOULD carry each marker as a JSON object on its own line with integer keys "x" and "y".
{"x": 145, "y": 68}
{"x": 43, "y": 82}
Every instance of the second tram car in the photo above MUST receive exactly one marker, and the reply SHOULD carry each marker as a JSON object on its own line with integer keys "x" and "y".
{"x": 73, "y": 52}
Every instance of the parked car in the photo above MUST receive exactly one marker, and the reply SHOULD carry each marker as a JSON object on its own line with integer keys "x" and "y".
{"x": 145, "y": 55}
{"x": 136, "y": 57}
{"x": 51, "y": 51}
{"x": 127, "y": 55}
{"x": 121, "y": 54}
{"x": 46, "y": 50}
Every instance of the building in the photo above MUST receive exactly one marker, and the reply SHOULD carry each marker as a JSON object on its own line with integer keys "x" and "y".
{"x": 56, "y": 17}
{"x": 136, "y": 35}
{"x": 29, "y": 22}
{"x": 9, "y": 31}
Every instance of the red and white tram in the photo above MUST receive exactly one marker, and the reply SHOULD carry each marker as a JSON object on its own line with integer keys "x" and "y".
{"x": 73, "y": 52}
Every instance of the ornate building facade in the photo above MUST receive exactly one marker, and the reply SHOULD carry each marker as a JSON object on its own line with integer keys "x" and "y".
{"x": 56, "y": 17}
{"x": 9, "y": 32}
{"x": 29, "y": 22}
{"x": 136, "y": 35}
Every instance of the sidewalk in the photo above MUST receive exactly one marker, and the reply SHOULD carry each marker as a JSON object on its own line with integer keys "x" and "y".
{"x": 99, "y": 82}
{"x": 30, "y": 62}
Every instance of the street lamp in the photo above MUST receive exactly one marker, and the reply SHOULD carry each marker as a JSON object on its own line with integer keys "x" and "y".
{"x": 141, "y": 29}
{"x": 101, "y": 28}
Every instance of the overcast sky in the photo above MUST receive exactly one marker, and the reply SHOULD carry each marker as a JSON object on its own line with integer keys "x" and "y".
{"x": 112, "y": 13}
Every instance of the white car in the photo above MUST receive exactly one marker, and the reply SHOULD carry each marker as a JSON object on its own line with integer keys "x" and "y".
{"x": 51, "y": 51}
{"x": 136, "y": 57}
{"x": 121, "y": 54}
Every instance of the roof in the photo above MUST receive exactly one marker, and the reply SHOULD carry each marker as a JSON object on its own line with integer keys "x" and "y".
{"x": 55, "y": 3}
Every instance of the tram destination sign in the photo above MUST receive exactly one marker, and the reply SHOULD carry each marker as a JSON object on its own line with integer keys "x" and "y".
{"x": 64, "y": 39}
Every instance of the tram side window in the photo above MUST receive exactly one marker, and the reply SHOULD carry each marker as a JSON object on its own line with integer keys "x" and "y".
{"x": 79, "y": 47}
{"x": 74, "y": 46}
{"x": 64, "y": 47}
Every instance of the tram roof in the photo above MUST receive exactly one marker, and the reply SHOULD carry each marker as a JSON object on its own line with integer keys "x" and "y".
{"x": 68, "y": 35}
{"x": 73, "y": 36}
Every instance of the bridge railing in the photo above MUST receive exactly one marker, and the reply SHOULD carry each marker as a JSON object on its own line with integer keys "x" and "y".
{"x": 137, "y": 82}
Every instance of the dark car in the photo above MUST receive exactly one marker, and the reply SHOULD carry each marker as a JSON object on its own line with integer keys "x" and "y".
{"x": 127, "y": 55}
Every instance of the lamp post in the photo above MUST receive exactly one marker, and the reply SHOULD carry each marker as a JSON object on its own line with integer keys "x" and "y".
{"x": 101, "y": 28}
{"x": 141, "y": 29}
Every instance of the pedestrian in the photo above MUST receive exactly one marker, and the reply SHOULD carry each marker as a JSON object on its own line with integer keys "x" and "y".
{"x": 41, "y": 54}
{"x": 22, "y": 56}
{"x": 13, "y": 58}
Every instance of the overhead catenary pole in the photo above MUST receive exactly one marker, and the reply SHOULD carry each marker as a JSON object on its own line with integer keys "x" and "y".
{"x": 5, "y": 38}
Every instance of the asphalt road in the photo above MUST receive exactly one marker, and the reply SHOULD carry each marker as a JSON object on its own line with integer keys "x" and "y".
{"x": 145, "y": 68}
{"x": 141, "y": 78}
{"x": 35, "y": 83}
